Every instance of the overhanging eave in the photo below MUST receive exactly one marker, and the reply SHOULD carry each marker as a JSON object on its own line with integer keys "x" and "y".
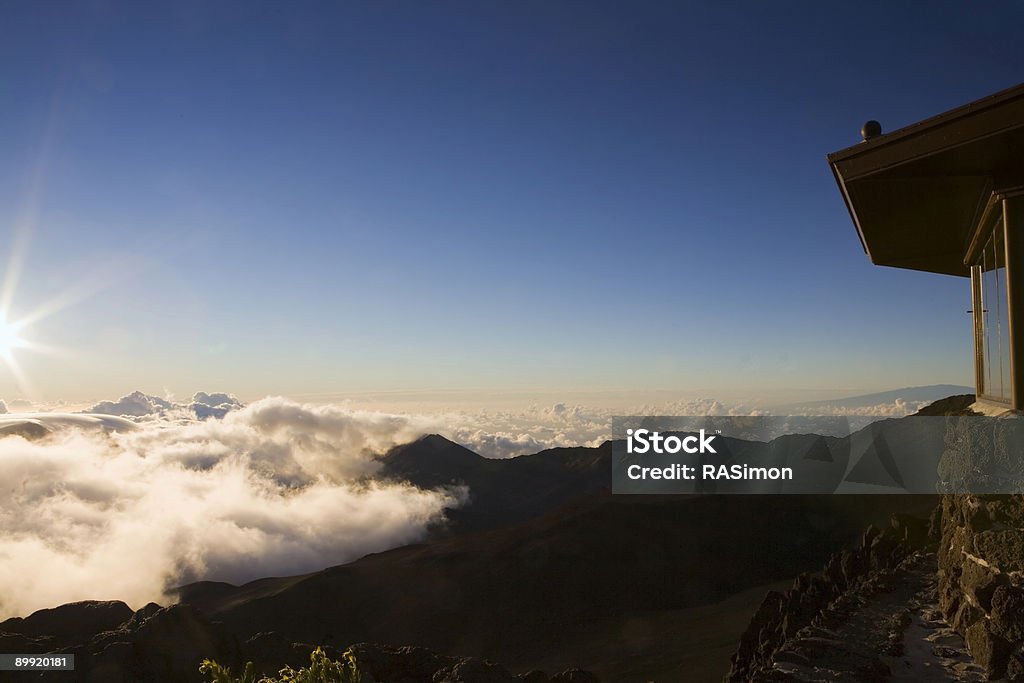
{"x": 916, "y": 194}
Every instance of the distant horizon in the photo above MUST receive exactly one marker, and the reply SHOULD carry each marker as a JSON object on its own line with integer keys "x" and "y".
{"x": 439, "y": 399}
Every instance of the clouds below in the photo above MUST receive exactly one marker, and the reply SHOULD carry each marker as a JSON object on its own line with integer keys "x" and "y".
{"x": 273, "y": 488}
{"x": 502, "y": 434}
{"x": 172, "y": 491}
{"x": 139, "y": 405}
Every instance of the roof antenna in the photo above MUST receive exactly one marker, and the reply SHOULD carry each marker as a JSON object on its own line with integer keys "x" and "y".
{"x": 871, "y": 129}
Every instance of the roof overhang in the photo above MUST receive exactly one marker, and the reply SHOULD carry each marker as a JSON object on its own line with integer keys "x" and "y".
{"x": 916, "y": 194}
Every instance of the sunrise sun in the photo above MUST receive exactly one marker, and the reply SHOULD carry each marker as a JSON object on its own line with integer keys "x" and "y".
{"x": 10, "y": 339}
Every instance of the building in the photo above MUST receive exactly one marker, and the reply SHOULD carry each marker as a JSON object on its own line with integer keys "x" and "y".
{"x": 946, "y": 195}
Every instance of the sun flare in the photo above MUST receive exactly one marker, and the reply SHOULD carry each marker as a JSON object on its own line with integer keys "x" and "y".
{"x": 10, "y": 339}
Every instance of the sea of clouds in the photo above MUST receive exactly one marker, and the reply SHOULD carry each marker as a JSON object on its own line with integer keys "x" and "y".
{"x": 173, "y": 491}
{"x": 271, "y": 488}
{"x": 502, "y": 434}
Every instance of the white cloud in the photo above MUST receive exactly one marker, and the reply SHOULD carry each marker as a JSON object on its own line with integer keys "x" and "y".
{"x": 19, "y": 404}
{"x": 503, "y": 434}
{"x": 142, "y": 406}
{"x": 506, "y": 434}
{"x": 204, "y": 406}
{"x": 52, "y": 421}
{"x": 135, "y": 404}
{"x": 897, "y": 408}
{"x": 271, "y": 489}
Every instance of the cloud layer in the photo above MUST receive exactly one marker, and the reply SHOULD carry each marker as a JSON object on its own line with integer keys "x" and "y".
{"x": 502, "y": 434}
{"x": 206, "y": 488}
{"x": 272, "y": 488}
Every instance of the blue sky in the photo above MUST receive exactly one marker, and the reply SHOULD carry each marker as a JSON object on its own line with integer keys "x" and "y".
{"x": 569, "y": 196}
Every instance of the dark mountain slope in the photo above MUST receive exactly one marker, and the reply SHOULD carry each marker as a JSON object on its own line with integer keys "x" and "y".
{"x": 433, "y": 461}
{"x": 503, "y": 491}
{"x": 508, "y": 594}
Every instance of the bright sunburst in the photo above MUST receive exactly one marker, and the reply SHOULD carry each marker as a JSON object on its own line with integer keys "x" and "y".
{"x": 10, "y": 339}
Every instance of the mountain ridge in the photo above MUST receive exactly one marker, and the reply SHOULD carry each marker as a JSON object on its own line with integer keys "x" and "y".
{"x": 924, "y": 393}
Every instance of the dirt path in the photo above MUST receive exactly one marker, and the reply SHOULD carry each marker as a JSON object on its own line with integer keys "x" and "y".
{"x": 888, "y": 629}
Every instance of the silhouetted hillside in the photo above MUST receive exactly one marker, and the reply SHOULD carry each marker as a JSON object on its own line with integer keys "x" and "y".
{"x": 502, "y": 491}
{"x": 507, "y": 594}
{"x": 950, "y": 406}
{"x": 931, "y": 392}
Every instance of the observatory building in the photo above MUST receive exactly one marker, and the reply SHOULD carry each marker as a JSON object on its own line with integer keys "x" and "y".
{"x": 946, "y": 195}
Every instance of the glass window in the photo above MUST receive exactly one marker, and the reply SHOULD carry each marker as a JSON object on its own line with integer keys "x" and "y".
{"x": 995, "y": 317}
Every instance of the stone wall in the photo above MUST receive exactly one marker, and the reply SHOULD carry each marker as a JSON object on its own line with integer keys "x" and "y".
{"x": 981, "y": 578}
{"x": 981, "y": 554}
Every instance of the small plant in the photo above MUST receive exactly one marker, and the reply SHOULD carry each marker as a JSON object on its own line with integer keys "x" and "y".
{"x": 321, "y": 670}
{"x": 222, "y": 674}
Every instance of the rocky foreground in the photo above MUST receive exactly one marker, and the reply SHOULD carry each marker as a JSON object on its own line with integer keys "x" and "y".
{"x": 166, "y": 643}
{"x": 890, "y": 609}
{"x": 936, "y": 601}
{"x": 888, "y": 628}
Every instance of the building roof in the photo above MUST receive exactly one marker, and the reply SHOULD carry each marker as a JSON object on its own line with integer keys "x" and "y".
{"x": 917, "y": 193}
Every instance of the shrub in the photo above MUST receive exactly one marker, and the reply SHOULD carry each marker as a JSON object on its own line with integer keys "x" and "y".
{"x": 321, "y": 670}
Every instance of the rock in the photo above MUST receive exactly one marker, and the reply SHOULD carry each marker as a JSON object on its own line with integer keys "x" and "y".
{"x": 271, "y": 652}
{"x": 405, "y": 663}
{"x": 1003, "y": 548}
{"x": 1015, "y": 667}
{"x": 791, "y": 657}
{"x": 966, "y": 616}
{"x": 473, "y": 670}
{"x": 988, "y": 649}
{"x": 854, "y": 566}
{"x": 114, "y": 662}
{"x": 1008, "y": 612}
{"x": 762, "y": 637}
{"x": 534, "y": 676}
{"x": 75, "y": 621}
{"x": 17, "y": 642}
{"x": 935, "y": 525}
{"x": 980, "y": 582}
{"x": 575, "y": 676}
{"x": 946, "y": 637}
{"x": 870, "y": 534}
{"x": 834, "y": 571}
{"x": 170, "y": 644}
{"x": 141, "y": 615}
{"x": 1007, "y": 511}
{"x": 978, "y": 518}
